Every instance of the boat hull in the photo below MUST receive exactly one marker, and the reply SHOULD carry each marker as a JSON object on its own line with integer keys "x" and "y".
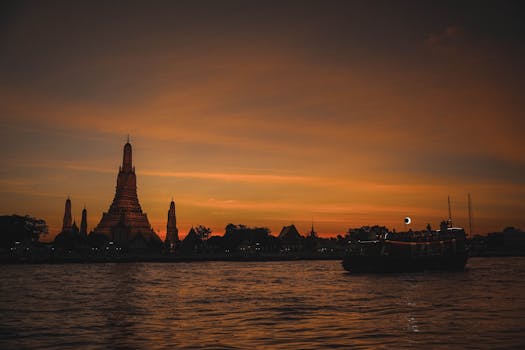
{"x": 386, "y": 264}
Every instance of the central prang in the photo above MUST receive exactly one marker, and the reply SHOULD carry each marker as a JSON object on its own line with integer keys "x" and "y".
{"x": 125, "y": 223}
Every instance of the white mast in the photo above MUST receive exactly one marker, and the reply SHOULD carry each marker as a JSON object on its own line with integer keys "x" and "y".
{"x": 449, "y": 214}
{"x": 469, "y": 216}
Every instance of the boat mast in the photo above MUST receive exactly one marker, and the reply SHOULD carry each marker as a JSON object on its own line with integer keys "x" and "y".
{"x": 449, "y": 214}
{"x": 469, "y": 217}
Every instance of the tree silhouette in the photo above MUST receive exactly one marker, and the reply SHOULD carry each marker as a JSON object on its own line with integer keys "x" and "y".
{"x": 16, "y": 228}
{"x": 203, "y": 232}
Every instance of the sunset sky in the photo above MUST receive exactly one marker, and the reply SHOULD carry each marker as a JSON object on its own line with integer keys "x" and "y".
{"x": 344, "y": 113}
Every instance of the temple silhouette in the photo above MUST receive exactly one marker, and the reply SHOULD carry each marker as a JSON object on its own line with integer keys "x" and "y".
{"x": 83, "y": 223}
{"x": 172, "y": 233}
{"x": 125, "y": 223}
{"x": 67, "y": 222}
{"x": 124, "y": 233}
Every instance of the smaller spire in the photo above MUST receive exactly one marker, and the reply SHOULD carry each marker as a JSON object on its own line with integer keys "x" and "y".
{"x": 128, "y": 138}
{"x": 83, "y": 222}
{"x": 312, "y": 231}
{"x": 172, "y": 233}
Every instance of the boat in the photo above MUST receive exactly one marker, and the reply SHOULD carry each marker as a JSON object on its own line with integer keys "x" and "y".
{"x": 443, "y": 249}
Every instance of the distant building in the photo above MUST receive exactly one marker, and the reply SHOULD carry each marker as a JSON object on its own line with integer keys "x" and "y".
{"x": 83, "y": 223}
{"x": 70, "y": 236}
{"x": 172, "y": 233}
{"x": 289, "y": 233}
{"x": 125, "y": 220}
{"x": 290, "y": 239}
{"x": 311, "y": 241}
{"x": 191, "y": 243}
{"x": 67, "y": 223}
{"x": 312, "y": 233}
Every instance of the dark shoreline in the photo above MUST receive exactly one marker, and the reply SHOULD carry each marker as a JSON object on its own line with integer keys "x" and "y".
{"x": 158, "y": 259}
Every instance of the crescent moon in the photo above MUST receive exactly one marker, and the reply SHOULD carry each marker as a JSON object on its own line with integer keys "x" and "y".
{"x": 408, "y": 220}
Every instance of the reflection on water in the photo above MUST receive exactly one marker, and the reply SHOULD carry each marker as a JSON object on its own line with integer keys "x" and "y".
{"x": 286, "y": 305}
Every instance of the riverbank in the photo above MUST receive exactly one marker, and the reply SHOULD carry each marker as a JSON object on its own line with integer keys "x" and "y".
{"x": 157, "y": 258}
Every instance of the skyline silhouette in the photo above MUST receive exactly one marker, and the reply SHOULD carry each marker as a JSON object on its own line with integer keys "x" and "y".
{"x": 125, "y": 208}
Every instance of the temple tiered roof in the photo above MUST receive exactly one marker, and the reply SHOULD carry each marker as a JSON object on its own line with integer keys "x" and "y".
{"x": 126, "y": 208}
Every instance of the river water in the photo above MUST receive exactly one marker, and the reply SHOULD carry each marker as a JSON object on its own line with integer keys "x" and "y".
{"x": 260, "y": 305}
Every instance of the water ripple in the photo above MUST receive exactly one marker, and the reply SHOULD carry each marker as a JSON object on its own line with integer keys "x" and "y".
{"x": 272, "y": 305}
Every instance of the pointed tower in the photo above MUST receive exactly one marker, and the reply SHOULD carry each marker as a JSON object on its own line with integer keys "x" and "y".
{"x": 126, "y": 204}
{"x": 83, "y": 223}
{"x": 68, "y": 220}
{"x": 312, "y": 231}
{"x": 172, "y": 233}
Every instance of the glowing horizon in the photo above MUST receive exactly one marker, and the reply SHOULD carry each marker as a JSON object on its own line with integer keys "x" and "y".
{"x": 334, "y": 218}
